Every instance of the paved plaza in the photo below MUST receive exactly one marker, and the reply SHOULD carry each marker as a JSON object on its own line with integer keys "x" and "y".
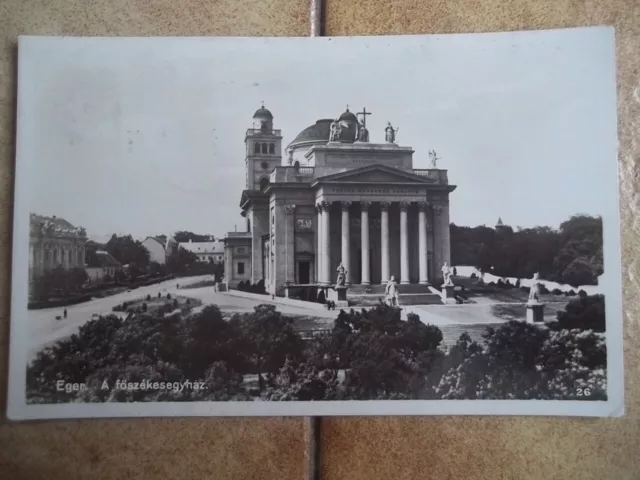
{"x": 44, "y": 328}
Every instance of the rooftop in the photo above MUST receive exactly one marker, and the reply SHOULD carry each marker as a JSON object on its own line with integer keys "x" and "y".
{"x": 55, "y": 225}
{"x": 203, "y": 247}
{"x": 102, "y": 259}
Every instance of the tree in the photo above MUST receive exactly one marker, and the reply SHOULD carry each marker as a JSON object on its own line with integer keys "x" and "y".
{"x": 129, "y": 252}
{"x": 185, "y": 236}
{"x": 586, "y": 312}
{"x": 267, "y": 340}
{"x": 571, "y": 254}
{"x": 180, "y": 261}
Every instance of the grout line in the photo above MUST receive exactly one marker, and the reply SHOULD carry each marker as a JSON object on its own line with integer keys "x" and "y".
{"x": 313, "y": 423}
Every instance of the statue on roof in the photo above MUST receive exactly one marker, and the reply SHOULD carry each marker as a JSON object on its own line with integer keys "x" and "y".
{"x": 434, "y": 158}
{"x": 390, "y": 133}
{"x": 335, "y": 131}
{"x": 362, "y": 134}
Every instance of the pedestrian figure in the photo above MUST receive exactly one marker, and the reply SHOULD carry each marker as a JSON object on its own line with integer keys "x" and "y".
{"x": 65, "y": 313}
{"x": 178, "y": 286}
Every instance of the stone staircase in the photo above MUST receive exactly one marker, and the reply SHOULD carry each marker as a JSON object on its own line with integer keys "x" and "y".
{"x": 409, "y": 295}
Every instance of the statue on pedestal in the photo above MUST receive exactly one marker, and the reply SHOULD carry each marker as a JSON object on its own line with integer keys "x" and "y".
{"x": 390, "y": 133}
{"x": 391, "y": 293}
{"x": 342, "y": 276}
{"x": 447, "y": 272}
{"x": 534, "y": 291}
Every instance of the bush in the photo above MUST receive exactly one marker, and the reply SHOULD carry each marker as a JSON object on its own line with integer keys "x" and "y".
{"x": 148, "y": 297}
{"x": 168, "y": 296}
{"x": 522, "y": 361}
{"x": 584, "y": 313}
{"x": 556, "y": 291}
{"x": 144, "y": 307}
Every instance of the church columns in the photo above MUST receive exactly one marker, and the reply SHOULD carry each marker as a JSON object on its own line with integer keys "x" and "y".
{"x": 384, "y": 240}
{"x": 404, "y": 244}
{"x": 290, "y": 256}
{"x": 326, "y": 269}
{"x": 364, "y": 226}
{"x": 422, "y": 243}
{"x": 319, "y": 244}
{"x": 346, "y": 243}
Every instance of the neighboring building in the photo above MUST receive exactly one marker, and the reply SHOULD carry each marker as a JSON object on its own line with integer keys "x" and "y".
{"x": 54, "y": 242}
{"x": 340, "y": 200}
{"x": 156, "y": 248}
{"x": 212, "y": 252}
{"x": 160, "y": 248}
{"x": 100, "y": 264}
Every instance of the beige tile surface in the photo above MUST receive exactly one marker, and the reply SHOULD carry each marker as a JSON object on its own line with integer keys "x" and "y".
{"x": 400, "y": 448}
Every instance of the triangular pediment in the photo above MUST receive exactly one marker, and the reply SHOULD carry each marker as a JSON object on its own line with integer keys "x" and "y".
{"x": 374, "y": 174}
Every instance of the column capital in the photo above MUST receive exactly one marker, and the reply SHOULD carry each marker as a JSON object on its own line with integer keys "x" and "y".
{"x": 385, "y": 205}
{"x": 423, "y": 205}
{"x": 404, "y": 206}
{"x": 325, "y": 205}
{"x": 346, "y": 205}
{"x": 437, "y": 209}
{"x": 289, "y": 209}
{"x": 364, "y": 206}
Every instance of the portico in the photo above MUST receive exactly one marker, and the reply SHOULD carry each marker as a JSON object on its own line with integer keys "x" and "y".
{"x": 376, "y": 239}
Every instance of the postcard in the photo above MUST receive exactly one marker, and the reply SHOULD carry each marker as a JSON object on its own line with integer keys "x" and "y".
{"x": 394, "y": 225}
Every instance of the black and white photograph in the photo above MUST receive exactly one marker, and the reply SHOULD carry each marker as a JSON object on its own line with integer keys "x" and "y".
{"x": 395, "y": 225}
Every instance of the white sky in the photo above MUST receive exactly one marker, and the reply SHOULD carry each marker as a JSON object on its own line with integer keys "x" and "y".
{"x": 146, "y": 136}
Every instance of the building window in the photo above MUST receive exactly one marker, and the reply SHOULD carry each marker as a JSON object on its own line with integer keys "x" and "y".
{"x": 256, "y": 148}
{"x": 272, "y": 148}
{"x": 240, "y": 268}
{"x": 264, "y": 148}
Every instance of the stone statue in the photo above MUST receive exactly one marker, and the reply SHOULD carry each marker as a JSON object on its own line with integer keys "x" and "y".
{"x": 290, "y": 158}
{"x": 534, "y": 291}
{"x": 391, "y": 292}
{"x": 342, "y": 276}
{"x": 446, "y": 275}
{"x": 335, "y": 132}
{"x": 362, "y": 134}
{"x": 390, "y": 133}
{"x": 434, "y": 158}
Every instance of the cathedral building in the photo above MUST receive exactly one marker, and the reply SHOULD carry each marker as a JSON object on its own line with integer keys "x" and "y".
{"x": 337, "y": 197}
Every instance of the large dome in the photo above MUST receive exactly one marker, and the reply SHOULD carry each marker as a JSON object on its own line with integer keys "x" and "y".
{"x": 318, "y": 132}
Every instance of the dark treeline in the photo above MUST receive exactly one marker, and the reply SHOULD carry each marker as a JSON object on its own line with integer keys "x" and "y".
{"x": 368, "y": 355}
{"x": 571, "y": 254}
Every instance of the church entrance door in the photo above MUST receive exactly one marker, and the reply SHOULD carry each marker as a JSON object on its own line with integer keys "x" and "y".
{"x": 304, "y": 272}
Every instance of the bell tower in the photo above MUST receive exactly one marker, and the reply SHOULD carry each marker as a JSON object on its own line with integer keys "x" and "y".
{"x": 264, "y": 149}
